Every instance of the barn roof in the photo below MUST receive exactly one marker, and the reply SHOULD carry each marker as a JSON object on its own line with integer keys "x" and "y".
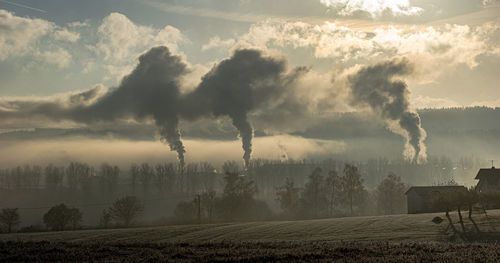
{"x": 488, "y": 172}
{"x": 425, "y": 191}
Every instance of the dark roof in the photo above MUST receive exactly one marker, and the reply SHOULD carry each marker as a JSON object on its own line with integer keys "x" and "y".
{"x": 487, "y": 172}
{"x": 429, "y": 190}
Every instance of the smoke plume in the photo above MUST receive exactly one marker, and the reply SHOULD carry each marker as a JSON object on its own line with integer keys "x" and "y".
{"x": 150, "y": 91}
{"x": 235, "y": 87}
{"x": 376, "y": 87}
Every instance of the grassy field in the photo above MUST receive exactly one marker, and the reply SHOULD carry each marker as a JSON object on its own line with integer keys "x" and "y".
{"x": 377, "y": 238}
{"x": 396, "y": 228}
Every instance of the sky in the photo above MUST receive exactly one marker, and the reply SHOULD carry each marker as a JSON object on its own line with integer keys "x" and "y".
{"x": 446, "y": 52}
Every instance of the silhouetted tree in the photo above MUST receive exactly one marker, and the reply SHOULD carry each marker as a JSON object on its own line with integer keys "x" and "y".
{"x": 288, "y": 196}
{"x": 230, "y": 167}
{"x": 237, "y": 200}
{"x": 59, "y": 217}
{"x": 9, "y": 219}
{"x": 390, "y": 194}
{"x": 105, "y": 220}
{"x": 134, "y": 175}
{"x": 109, "y": 177}
{"x": 333, "y": 190}
{"x": 126, "y": 210}
{"x": 314, "y": 200}
{"x": 146, "y": 175}
{"x": 53, "y": 176}
{"x": 207, "y": 200}
{"x": 352, "y": 186}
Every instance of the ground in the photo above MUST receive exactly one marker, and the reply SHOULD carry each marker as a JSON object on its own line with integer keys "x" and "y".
{"x": 370, "y": 239}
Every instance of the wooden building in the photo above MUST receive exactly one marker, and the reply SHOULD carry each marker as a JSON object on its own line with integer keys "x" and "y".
{"x": 422, "y": 199}
{"x": 489, "y": 180}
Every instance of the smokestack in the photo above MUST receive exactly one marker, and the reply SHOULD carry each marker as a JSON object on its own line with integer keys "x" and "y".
{"x": 374, "y": 86}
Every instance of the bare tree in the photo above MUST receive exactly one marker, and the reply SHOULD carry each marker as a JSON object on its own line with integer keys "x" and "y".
{"x": 288, "y": 196}
{"x": 126, "y": 210}
{"x": 314, "y": 200}
{"x": 106, "y": 218}
{"x": 333, "y": 191}
{"x": 109, "y": 177}
{"x": 9, "y": 218}
{"x": 390, "y": 194}
{"x": 352, "y": 185}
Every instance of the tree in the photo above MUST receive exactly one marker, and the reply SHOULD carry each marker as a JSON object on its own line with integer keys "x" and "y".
{"x": 230, "y": 167}
{"x": 185, "y": 211}
{"x": 237, "y": 200}
{"x": 288, "y": 195}
{"x": 109, "y": 177}
{"x": 125, "y": 210}
{"x": 333, "y": 191}
{"x": 207, "y": 203}
{"x": 106, "y": 218}
{"x": 9, "y": 218}
{"x": 352, "y": 186}
{"x": 390, "y": 194}
{"x": 75, "y": 218}
{"x": 146, "y": 174}
{"x": 314, "y": 200}
{"x": 59, "y": 217}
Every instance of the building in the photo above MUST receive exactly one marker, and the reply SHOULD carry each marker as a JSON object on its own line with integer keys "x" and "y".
{"x": 489, "y": 180}
{"x": 422, "y": 199}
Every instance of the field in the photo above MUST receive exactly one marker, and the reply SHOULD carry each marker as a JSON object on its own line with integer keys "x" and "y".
{"x": 378, "y": 238}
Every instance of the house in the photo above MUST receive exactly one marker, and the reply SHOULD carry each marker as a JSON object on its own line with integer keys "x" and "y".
{"x": 422, "y": 199}
{"x": 489, "y": 180}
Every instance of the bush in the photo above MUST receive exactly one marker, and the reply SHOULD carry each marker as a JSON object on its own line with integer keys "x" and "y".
{"x": 61, "y": 217}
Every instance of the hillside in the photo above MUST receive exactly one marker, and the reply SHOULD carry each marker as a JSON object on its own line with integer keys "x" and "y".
{"x": 405, "y": 228}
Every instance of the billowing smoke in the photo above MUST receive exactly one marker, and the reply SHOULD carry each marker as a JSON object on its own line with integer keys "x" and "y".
{"x": 246, "y": 87}
{"x": 235, "y": 87}
{"x": 376, "y": 87}
{"x": 150, "y": 91}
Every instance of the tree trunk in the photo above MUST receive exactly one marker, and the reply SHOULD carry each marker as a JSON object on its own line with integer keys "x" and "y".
{"x": 351, "y": 202}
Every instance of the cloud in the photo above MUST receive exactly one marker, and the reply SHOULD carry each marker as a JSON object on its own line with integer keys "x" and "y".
{"x": 66, "y": 35}
{"x": 374, "y": 8}
{"x": 217, "y": 43}
{"x": 121, "y": 39}
{"x": 19, "y": 36}
{"x": 436, "y": 48}
{"x": 60, "y": 57}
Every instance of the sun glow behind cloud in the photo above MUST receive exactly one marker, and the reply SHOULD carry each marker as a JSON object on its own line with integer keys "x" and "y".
{"x": 375, "y": 8}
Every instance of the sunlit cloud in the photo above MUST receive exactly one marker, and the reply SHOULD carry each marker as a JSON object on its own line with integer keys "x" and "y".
{"x": 375, "y": 8}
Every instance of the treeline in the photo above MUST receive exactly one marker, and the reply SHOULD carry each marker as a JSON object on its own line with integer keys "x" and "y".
{"x": 334, "y": 195}
{"x": 160, "y": 178}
